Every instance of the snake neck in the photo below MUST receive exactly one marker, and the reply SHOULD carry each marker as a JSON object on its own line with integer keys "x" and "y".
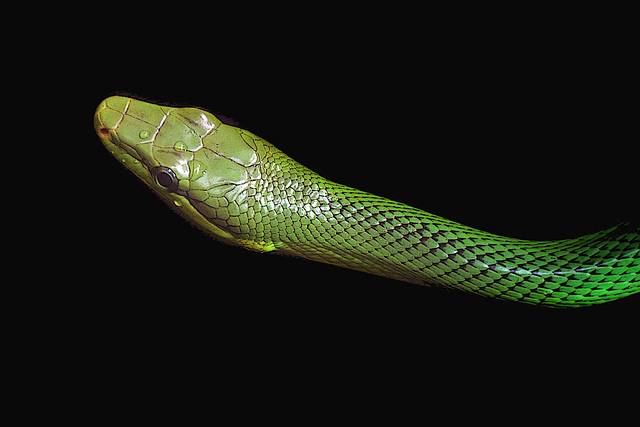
{"x": 306, "y": 215}
{"x": 298, "y": 212}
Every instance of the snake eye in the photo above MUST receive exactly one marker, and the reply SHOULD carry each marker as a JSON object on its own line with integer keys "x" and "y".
{"x": 165, "y": 178}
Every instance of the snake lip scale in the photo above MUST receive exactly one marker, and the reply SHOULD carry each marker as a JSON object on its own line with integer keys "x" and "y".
{"x": 242, "y": 190}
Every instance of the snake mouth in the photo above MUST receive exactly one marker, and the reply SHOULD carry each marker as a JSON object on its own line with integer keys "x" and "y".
{"x": 131, "y": 162}
{"x": 122, "y": 152}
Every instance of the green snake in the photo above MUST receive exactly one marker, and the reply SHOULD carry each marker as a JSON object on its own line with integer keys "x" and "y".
{"x": 242, "y": 190}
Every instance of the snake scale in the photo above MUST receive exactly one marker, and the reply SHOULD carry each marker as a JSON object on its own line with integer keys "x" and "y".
{"x": 242, "y": 190}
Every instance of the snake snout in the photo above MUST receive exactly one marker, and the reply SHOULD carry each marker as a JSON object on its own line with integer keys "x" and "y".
{"x": 108, "y": 116}
{"x": 101, "y": 128}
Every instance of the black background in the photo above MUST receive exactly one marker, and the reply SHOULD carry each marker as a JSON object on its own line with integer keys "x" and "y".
{"x": 525, "y": 133}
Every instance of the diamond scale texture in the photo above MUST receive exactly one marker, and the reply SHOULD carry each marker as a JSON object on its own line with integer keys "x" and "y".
{"x": 328, "y": 222}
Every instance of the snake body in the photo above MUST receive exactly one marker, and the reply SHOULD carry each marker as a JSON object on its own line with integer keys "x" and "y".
{"x": 242, "y": 190}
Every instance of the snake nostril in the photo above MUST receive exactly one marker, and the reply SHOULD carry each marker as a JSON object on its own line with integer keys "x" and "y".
{"x": 103, "y": 132}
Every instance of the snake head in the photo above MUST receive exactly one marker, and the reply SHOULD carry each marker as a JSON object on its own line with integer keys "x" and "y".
{"x": 198, "y": 165}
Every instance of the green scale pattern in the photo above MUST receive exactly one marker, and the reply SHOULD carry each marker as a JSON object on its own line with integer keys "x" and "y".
{"x": 243, "y": 190}
{"x": 328, "y": 222}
